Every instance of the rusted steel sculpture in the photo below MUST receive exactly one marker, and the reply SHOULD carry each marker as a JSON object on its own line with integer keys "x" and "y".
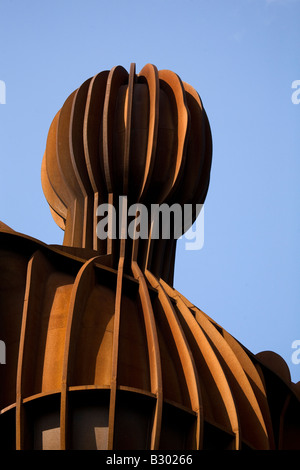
{"x": 102, "y": 351}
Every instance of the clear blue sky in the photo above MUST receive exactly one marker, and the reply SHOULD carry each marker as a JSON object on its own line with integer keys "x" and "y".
{"x": 242, "y": 57}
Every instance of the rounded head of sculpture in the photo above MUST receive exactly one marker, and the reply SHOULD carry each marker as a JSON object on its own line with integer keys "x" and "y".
{"x": 145, "y": 136}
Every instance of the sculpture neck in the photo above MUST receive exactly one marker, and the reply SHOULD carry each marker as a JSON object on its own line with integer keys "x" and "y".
{"x": 119, "y": 230}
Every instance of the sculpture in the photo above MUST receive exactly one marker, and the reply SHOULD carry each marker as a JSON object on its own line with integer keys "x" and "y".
{"x": 102, "y": 351}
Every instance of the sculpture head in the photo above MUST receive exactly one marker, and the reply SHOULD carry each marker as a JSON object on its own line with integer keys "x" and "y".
{"x": 145, "y": 136}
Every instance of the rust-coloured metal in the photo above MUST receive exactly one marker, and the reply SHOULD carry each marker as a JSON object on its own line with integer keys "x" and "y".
{"x": 102, "y": 351}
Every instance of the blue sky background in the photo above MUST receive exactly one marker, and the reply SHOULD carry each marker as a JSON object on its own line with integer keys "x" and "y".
{"x": 242, "y": 57}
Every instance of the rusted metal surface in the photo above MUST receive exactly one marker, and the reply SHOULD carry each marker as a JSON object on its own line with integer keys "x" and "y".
{"x": 102, "y": 351}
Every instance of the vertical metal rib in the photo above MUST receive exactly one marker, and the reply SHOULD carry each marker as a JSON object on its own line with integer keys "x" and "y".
{"x": 92, "y": 142}
{"x": 83, "y": 284}
{"x": 153, "y": 348}
{"x": 196, "y": 146}
{"x": 66, "y": 170}
{"x": 52, "y": 174}
{"x": 116, "y": 334}
{"x": 174, "y": 83}
{"x": 84, "y": 193}
{"x": 185, "y": 355}
{"x": 128, "y": 116}
{"x": 117, "y": 77}
{"x": 149, "y": 73}
{"x": 37, "y": 273}
{"x": 19, "y": 404}
{"x": 115, "y": 351}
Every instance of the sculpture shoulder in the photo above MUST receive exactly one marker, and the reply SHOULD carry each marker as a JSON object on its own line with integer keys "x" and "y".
{"x": 13, "y": 242}
{"x": 23, "y": 257}
{"x": 5, "y": 228}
